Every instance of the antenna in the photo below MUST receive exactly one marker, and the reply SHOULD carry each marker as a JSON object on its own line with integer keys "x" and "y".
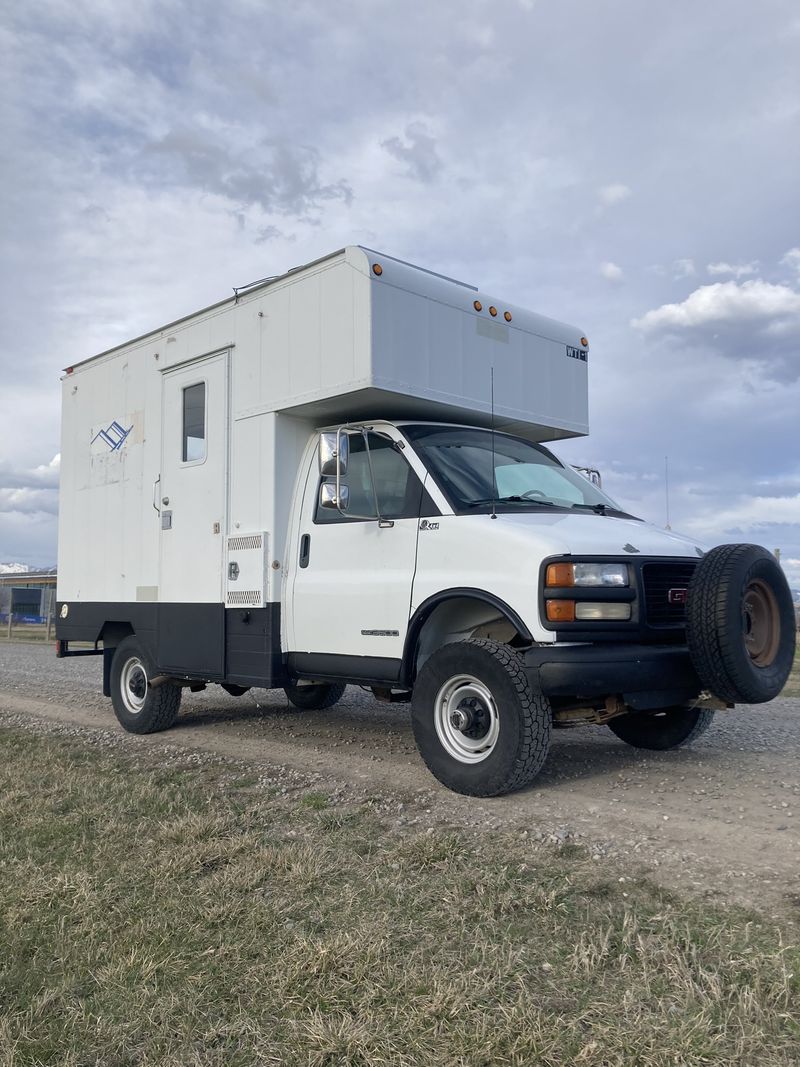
{"x": 491, "y": 379}
{"x": 666, "y": 488}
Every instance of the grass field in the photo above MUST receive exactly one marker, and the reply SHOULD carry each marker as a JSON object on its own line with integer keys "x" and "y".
{"x": 180, "y": 915}
{"x": 792, "y": 687}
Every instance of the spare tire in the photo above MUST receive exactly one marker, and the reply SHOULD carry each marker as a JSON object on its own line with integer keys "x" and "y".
{"x": 740, "y": 624}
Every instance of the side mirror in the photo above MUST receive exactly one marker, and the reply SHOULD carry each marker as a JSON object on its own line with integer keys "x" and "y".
{"x": 334, "y": 452}
{"x": 329, "y": 499}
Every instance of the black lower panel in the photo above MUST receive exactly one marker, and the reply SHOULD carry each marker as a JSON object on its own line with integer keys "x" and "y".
{"x": 357, "y": 669}
{"x": 253, "y": 646}
{"x": 202, "y": 641}
{"x": 191, "y": 640}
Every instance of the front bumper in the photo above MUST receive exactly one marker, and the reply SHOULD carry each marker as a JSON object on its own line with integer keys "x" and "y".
{"x": 643, "y": 675}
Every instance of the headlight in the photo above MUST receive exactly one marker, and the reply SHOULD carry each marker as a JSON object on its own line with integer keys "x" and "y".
{"x": 608, "y": 575}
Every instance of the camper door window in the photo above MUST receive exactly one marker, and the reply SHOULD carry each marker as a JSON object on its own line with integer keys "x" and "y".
{"x": 194, "y": 423}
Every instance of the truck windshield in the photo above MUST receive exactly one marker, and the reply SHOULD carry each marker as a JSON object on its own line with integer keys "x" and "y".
{"x": 520, "y": 475}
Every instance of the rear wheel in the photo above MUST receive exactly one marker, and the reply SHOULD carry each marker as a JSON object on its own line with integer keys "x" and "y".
{"x": 662, "y": 730}
{"x": 139, "y": 708}
{"x": 316, "y": 697}
{"x": 478, "y": 725}
{"x": 740, "y": 624}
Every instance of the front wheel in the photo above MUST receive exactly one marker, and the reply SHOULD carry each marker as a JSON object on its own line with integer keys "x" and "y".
{"x": 662, "y": 730}
{"x": 139, "y": 708}
{"x": 479, "y": 727}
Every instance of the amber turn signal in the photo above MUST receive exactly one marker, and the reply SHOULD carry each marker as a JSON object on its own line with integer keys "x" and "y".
{"x": 561, "y": 611}
{"x": 560, "y": 574}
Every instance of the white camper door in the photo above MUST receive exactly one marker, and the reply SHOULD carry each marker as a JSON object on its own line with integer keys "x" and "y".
{"x": 192, "y": 493}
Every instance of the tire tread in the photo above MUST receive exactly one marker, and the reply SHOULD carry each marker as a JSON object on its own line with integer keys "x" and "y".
{"x": 536, "y": 725}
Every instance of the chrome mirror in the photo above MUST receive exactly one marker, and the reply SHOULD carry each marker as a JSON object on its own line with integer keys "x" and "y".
{"x": 329, "y": 499}
{"x": 334, "y": 452}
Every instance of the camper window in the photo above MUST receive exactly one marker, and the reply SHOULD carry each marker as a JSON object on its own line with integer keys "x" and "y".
{"x": 194, "y": 423}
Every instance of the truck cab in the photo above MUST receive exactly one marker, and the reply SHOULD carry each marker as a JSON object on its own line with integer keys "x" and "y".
{"x": 444, "y": 564}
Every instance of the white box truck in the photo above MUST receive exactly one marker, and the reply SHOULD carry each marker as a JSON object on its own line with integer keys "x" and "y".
{"x": 337, "y": 476}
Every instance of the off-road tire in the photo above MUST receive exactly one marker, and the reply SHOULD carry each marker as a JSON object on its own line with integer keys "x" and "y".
{"x": 130, "y": 675}
{"x": 660, "y": 731}
{"x": 314, "y": 697}
{"x": 740, "y": 624}
{"x": 523, "y": 718}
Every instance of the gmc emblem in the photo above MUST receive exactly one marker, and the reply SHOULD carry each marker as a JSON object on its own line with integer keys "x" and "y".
{"x": 676, "y": 596}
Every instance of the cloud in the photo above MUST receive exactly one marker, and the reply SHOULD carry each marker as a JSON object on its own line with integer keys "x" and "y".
{"x": 774, "y": 309}
{"x": 275, "y": 175}
{"x": 27, "y": 501}
{"x": 609, "y": 195}
{"x": 45, "y": 476}
{"x": 611, "y": 272}
{"x": 683, "y": 268}
{"x": 417, "y": 151}
{"x": 740, "y": 270}
{"x": 792, "y": 259}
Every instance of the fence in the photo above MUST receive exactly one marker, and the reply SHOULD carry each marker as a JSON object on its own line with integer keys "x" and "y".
{"x": 27, "y": 613}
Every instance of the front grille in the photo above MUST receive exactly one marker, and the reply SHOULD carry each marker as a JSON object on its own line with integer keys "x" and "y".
{"x": 659, "y": 579}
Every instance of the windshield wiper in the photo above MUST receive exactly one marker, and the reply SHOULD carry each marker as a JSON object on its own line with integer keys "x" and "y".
{"x": 604, "y": 509}
{"x": 514, "y": 500}
{"x": 598, "y": 509}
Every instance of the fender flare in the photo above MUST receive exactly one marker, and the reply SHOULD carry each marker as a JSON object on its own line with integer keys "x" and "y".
{"x": 427, "y": 607}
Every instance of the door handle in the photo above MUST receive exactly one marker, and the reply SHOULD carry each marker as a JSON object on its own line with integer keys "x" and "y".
{"x": 305, "y": 549}
{"x": 156, "y": 484}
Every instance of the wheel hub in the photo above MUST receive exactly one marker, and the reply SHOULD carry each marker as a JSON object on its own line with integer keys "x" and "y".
{"x": 466, "y": 719}
{"x": 760, "y": 623}
{"x": 133, "y": 685}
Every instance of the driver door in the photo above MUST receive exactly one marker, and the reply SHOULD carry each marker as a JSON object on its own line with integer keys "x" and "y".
{"x": 352, "y": 588}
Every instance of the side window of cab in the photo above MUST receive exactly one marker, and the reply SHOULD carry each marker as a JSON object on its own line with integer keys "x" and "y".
{"x": 398, "y": 488}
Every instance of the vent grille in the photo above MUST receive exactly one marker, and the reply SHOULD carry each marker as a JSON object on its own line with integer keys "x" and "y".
{"x": 250, "y": 598}
{"x": 236, "y": 544}
{"x": 658, "y": 580}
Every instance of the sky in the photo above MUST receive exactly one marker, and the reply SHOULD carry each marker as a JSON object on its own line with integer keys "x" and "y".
{"x": 629, "y": 167}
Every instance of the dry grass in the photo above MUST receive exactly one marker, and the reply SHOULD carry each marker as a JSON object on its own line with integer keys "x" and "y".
{"x": 154, "y": 916}
{"x": 792, "y": 687}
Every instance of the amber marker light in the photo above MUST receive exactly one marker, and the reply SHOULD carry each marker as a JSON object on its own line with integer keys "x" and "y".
{"x": 477, "y": 305}
{"x": 377, "y": 269}
{"x": 585, "y": 342}
{"x": 507, "y": 316}
{"x": 493, "y": 311}
{"x": 560, "y": 574}
{"x": 561, "y": 611}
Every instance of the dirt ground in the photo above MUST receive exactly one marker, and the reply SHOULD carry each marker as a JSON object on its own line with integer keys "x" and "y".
{"x": 720, "y": 819}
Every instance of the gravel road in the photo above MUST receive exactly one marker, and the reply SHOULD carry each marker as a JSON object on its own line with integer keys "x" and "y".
{"x": 721, "y": 818}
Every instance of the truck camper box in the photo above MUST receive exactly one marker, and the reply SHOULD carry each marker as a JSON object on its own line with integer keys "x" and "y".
{"x": 153, "y": 505}
{"x": 339, "y": 475}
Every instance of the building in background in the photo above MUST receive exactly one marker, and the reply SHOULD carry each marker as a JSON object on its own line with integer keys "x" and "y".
{"x": 30, "y": 597}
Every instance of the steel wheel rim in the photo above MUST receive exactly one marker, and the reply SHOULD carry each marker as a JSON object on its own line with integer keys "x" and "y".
{"x": 466, "y": 719}
{"x": 761, "y": 623}
{"x": 133, "y": 685}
